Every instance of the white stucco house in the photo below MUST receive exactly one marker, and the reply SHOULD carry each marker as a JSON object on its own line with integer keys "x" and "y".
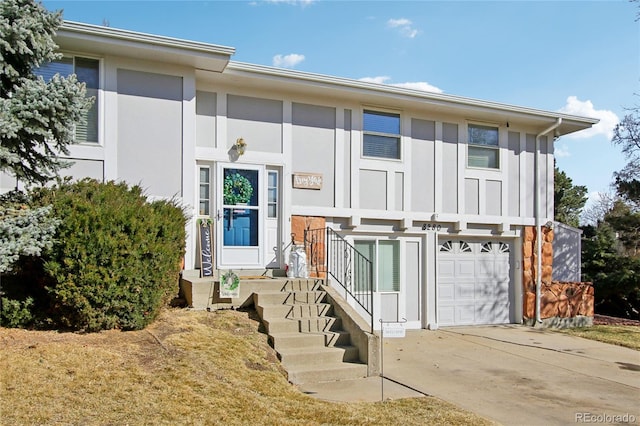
{"x": 434, "y": 188}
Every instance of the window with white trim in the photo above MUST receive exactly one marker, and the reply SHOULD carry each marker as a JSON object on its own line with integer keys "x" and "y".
{"x": 205, "y": 191}
{"x": 87, "y": 71}
{"x": 381, "y": 135}
{"x": 272, "y": 195}
{"x": 385, "y": 257}
{"x": 483, "y": 149}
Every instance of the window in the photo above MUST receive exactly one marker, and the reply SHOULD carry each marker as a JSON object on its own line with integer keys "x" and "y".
{"x": 205, "y": 191}
{"x": 87, "y": 71}
{"x": 381, "y": 136}
{"x": 272, "y": 195}
{"x": 483, "y": 148}
{"x": 385, "y": 257}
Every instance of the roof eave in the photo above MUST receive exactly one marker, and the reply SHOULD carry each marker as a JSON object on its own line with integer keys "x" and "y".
{"x": 76, "y": 36}
{"x": 571, "y": 123}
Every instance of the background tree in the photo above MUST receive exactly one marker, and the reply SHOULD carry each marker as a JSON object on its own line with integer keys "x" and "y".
{"x": 37, "y": 122}
{"x": 598, "y": 208}
{"x": 627, "y": 135}
{"x": 568, "y": 199}
{"x": 611, "y": 246}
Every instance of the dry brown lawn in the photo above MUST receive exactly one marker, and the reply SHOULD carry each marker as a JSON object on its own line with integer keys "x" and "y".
{"x": 621, "y": 335}
{"x": 194, "y": 368}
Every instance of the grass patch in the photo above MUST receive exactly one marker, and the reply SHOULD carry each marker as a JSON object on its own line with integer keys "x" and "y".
{"x": 621, "y": 335}
{"x": 187, "y": 367}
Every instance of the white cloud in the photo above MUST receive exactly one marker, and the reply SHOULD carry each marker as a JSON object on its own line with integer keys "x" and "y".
{"x": 561, "y": 151}
{"x": 608, "y": 119}
{"x": 379, "y": 80}
{"x": 287, "y": 61}
{"x": 417, "y": 85}
{"x": 405, "y": 26}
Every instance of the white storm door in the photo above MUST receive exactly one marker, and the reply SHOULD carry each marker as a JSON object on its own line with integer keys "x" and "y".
{"x": 240, "y": 224}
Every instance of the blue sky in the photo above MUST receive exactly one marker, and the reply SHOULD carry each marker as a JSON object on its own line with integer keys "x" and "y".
{"x": 579, "y": 57}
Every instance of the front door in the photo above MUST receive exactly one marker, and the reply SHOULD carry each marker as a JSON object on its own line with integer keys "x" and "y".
{"x": 240, "y": 219}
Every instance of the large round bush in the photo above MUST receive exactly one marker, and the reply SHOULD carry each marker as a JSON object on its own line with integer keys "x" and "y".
{"x": 116, "y": 256}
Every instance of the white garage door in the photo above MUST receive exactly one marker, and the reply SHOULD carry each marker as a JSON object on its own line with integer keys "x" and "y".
{"x": 473, "y": 282}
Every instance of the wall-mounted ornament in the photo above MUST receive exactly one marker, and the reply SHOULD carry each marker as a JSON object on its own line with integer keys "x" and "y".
{"x": 240, "y": 146}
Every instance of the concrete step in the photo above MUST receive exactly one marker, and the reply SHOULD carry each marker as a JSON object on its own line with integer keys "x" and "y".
{"x": 280, "y": 298}
{"x": 302, "y": 284}
{"x": 342, "y": 371}
{"x": 281, "y": 325}
{"x": 302, "y": 325}
{"x": 309, "y": 341}
{"x": 319, "y": 324}
{"x": 304, "y": 358}
{"x": 302, "y": 310}
{"x": 297, "y": 340}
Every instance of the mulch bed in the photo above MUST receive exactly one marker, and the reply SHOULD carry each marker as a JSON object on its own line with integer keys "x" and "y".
{"x": 605, "y": 320}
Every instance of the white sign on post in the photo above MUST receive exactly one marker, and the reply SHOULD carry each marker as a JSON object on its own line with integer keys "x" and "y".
{"x": 393, "y": 330}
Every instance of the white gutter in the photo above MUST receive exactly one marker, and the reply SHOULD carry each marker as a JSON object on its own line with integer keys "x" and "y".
{"x": 88, "y": 30}
{"x": 538, "y": 218}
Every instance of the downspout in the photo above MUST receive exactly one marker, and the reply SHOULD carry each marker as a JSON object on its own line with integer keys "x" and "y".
{"x": 537, "y": 205}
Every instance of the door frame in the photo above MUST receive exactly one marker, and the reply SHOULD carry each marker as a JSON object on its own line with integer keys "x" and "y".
{"x": 229, "y": 257}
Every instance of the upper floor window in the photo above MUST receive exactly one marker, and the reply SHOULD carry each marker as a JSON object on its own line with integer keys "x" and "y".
{"x": 88, "y": 71}
{"x": 483, "y": 150}
{"x": 381, "y": 136}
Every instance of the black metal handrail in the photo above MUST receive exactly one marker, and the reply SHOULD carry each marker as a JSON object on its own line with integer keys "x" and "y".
{"x": 329, "y": 252}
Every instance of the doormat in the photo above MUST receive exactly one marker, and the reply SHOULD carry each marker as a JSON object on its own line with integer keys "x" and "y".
{"x": 254, "y": 277}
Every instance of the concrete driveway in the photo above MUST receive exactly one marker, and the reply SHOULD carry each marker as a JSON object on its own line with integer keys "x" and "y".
{"x": 514, "y": 375}
{"x": 519, "y": 375}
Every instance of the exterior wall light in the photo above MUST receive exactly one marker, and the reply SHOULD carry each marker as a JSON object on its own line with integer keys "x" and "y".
{"x": 240, "y": 146}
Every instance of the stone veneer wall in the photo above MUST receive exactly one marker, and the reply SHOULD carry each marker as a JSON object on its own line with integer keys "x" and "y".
{"x": 316, "y": 261}
{"x": 560, "y": 302}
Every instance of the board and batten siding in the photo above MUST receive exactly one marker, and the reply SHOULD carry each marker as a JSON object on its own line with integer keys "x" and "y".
{"x": 423, "y": 136}
{"x": 257, "y": 120}
{"x": 206, "y": 111}
{"x": 373, "y": 189}
{"x": 347, "y": 163}
{"x": 313, "y": 147}
{"x": 514, "y": 151}
{"x": 449, "y": 178}
{"x": 81, "y": 168}
{"x": 150, "y": 131}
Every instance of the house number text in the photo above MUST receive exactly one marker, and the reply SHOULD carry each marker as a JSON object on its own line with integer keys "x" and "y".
{"x": 431, "y": 227}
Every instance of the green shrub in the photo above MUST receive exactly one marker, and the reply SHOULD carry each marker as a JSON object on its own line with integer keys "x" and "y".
{"x": 16, "y": 313}
{"x": 116, "y": 258}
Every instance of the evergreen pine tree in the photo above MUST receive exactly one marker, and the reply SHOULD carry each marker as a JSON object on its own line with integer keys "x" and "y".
{"x": 37, "y": 121}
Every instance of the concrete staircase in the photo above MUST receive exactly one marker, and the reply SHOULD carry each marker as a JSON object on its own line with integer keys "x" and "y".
{"x": 306, "y": 335}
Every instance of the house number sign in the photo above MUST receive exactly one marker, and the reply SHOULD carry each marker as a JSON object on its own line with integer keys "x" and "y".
{"x": 431, "y": 227}
{"x": 307, "y": 180}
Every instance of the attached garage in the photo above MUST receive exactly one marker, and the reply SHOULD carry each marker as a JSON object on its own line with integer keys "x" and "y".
{"x": 473, "y": 282}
